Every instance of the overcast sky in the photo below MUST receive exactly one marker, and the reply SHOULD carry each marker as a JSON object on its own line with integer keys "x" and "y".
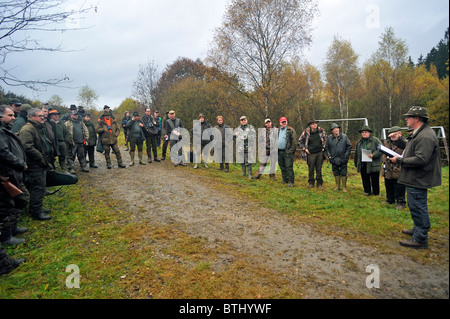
{"x": 125, "y": 34}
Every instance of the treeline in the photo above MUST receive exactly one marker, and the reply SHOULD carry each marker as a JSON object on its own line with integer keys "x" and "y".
{"x": 381, "y": 90}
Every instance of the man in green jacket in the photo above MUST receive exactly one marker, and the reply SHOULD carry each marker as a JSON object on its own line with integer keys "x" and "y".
{"x": 62, "y": 137}
{"x": 421, "y": 169}
{"x": 39, "y": 160}
{"x": 287, "y": 145}
{"x": 368, "y": 164}
{"x": 89, "y": 147}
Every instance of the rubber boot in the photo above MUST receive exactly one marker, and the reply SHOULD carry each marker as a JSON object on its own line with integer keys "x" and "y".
{"x": 338, "y": 183}
{"x": 344, "y": 184}
{"x": 249, "y": 169}
{"x": 132, "y": 158}
{"x": 227, "y": 168}
{"x": 119, "y": 160}
{"x": 7, "y": 239}
{"x": 141, "y": 156}
{"x": 244, "y": 169}
{"x": 108, "y": 161}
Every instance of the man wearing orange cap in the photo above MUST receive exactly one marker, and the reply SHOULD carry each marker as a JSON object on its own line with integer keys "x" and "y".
{"x": 287, "y": 145}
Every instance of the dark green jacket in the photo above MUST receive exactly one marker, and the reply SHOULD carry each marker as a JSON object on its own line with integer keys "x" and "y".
{"x": 372, "y": 145}
{"x": 37, "y": 147}
{"x": 291, "y": 140}
{"x": 421, "y": 162}
{"x": 92, "y": 141}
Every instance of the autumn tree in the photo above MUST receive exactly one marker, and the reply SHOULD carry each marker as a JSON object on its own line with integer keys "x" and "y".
{"x": 20, "y": 21}
{"x": 342, "y": 74}
{"x": 180, "y": 69}
{"x": 256, "y": 38}
{"x": 390, "y": 65}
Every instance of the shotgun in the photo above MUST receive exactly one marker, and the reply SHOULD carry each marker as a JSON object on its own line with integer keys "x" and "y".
{"x": 10, "y": 188}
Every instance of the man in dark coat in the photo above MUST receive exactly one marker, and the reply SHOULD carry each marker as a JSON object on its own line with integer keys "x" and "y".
{"x": 39, "y": 160}
{"x": 62, "y": 137}
{"x": 151, "y": 134}
{"x": 338, "y": 149}
{"x": 12, "y": 166}
{"x": 421, "y": 170}
{"x": 172, "y": 133}
{"x": 287, "y": 145}
{"x": 137, "y": 137}
{"x": 124, "y": 122}
{"x": 89, "y": 147}
{"x": 312, "y": 142}
{"x": 395, "y": 192}
{"x": 222, "y": 127}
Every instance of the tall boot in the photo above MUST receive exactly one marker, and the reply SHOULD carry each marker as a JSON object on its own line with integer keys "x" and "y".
{"x": 108, "y": 161}
{"x": 244, "y": 169}
{"x": 338, "y": 183}
{"x": 141, "y": 156}
{"x": 227, "y": 168}
{"x": 119, "y": 160}
{"x": 344, "y": 184}
{"x": 132, "y": 158}
{"x": 249, "y": 169}
{"x": 7, "y": 238}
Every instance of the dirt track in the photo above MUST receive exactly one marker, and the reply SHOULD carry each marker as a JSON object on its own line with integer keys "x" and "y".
{"x": 268, "y": 237}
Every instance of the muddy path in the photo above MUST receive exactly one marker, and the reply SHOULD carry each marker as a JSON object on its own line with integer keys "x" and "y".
{"x": 333, "y": 267}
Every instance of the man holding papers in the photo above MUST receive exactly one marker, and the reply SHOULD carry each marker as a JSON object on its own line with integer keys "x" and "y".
{"x": 421, "y": 169}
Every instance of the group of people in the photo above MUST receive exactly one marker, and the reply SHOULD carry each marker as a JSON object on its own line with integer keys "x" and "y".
{"x": 32, "y": 138}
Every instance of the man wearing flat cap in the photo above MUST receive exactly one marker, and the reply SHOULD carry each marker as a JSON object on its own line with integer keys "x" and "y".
{"x": 421, "y": 170}
{"x": 395, "y": 192}
{"x": 312, "y": 142}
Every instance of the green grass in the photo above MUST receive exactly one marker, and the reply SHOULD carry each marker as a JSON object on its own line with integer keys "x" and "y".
{"x": 351, "y": 215}
{"x": 122, "y": 258}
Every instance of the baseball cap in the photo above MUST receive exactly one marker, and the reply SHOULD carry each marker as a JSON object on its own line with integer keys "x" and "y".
{"x": 283, "y": 119}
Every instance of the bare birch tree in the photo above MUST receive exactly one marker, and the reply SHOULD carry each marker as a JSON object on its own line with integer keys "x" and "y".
{"x": 390, "y": 60}
{"x": 256, "y": 38}
{"x": 145, "y": 84}
{"x": 341, "y": 71}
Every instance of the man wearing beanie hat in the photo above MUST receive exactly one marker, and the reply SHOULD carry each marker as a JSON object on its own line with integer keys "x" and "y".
{"x": 421, "y": 170}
